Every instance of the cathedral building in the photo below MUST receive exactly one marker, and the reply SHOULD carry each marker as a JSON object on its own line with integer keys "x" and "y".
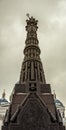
{"x": 32, "y": 104}
{"x": 59, "y": 105}
{"x": 4, "y": 104}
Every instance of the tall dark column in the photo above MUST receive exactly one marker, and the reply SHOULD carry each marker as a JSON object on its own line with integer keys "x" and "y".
{"x": 32, "y": 104}
{"x": 32, "y": 70}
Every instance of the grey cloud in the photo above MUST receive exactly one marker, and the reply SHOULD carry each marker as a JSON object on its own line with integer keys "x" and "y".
{"x": 52, "y": 41}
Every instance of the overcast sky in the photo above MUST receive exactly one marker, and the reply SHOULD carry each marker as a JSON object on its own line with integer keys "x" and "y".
{"x": 51, "y": 15}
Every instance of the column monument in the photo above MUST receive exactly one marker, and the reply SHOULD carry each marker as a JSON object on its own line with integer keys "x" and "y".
{"x": 32, "y": 104}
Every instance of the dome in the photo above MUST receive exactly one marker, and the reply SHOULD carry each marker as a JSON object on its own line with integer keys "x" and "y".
{"x": 58, "y": 103}
{"x": 3, "y": 101}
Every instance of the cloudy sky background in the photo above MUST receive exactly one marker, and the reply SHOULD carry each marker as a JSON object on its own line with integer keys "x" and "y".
{"x": 52, "y": 41}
